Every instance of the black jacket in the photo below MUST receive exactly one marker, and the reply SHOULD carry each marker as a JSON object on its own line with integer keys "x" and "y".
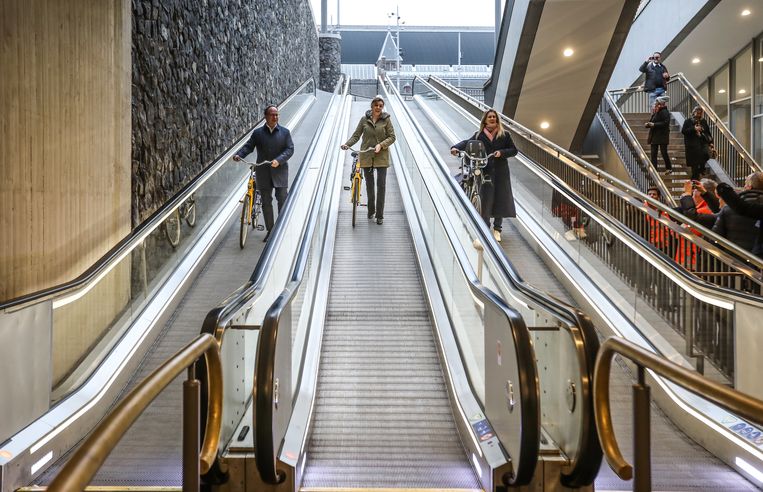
{"x": 498, "y": 170}
{"x": 688, "y": 208}
{"x": 659, "y": 134}
{"x": 743, "y": 231}
{"x": 654, "y": 77}
{"x": 697, "y": 146}
{"x": 276, "y": 145}
{"x": 752, "y": 209}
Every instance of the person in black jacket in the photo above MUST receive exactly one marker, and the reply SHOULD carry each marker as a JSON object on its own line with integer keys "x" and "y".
{"x": 659, "y": 132}
{"x": 698, "y": 142}
{"x": 740, "y": 219}
{"x": 273, "y": 143}
{"x": 496, "y": 196}
{"x": 656, "y": 77}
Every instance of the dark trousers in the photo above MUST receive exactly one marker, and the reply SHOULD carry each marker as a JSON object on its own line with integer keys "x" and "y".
{"x": 376, "y": 196}
{"x": 265, "y": 187}
{"x": 487, "y": 199}
{"x": 697, "y": 170}
{"x": 664, "y": 150}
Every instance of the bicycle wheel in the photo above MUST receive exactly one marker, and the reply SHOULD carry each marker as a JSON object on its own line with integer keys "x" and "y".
{"x": 257, "y": 212}
{"x": 246, "y": 213}
{"x": 172, "y": 228}
{"x": 355, "y": 198}
{"x": 190, "y": 211}
{"x": 476, "y": 201}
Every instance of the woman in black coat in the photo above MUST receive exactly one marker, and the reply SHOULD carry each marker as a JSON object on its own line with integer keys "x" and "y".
{"x": 496, "y": 196}
{"x": 698, "y": 142}
{"x": 659, "y": 132}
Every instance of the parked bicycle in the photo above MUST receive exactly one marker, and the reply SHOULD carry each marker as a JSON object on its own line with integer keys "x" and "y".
{"x": 356, "y": 178}
{"x": 186, "y": 211}
{"x": 252, "y": 204}
{"x": 472, "y": 177}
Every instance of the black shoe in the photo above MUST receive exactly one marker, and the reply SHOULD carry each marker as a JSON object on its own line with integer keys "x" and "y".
{"x": 267, "y": 236}
{"x": 370, "y": 215}
{"x": 379, "y": 220}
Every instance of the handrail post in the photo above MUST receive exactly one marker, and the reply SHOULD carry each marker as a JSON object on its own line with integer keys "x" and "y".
{"x": 191, "y": 403}
{"x": 642, "y": 460}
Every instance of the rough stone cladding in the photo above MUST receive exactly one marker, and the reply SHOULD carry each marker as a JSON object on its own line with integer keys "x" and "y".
{"x": 203, "y": 71}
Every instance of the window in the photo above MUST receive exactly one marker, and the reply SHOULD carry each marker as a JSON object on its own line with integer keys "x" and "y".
{"x": 720, "y": 96}
{"x": 758, "y": 64}
{"x": 742, "y": 75}
{"x": 703, "y": 91}
{"x": 740, "y": 122}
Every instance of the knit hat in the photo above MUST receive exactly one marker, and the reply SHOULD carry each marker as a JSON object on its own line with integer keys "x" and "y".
{"x": 662, "y": 99}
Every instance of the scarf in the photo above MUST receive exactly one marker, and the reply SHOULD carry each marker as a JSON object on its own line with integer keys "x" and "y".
{"x": 490, "y": 135}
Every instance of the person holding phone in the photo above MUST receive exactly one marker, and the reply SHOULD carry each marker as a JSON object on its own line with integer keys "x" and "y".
{"x": 657, "y": 77}
{"x": 698, "y": 142}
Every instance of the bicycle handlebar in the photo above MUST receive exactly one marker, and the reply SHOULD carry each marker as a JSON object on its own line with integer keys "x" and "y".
{"x": 462, "y": 153}
{"x": 255, "y": 164}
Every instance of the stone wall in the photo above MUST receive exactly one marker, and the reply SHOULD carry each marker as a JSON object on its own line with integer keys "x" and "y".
{"x": 330, "y": 46}
{"x": 203, "y": 71}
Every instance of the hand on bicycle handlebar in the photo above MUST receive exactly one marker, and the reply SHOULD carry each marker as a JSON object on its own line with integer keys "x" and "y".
{"x": 236, "y": 157}
{"x": 343, "y": 147}
{"x": 377, "y": 149}
{"x": 274, "y": 163}
{"x": 453, "y": 151}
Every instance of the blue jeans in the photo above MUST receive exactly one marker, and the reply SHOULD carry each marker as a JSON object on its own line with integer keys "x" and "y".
{"x": 657, "y": 92}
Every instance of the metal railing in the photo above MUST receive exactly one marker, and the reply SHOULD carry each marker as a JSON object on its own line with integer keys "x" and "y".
{"x": 733, "y": 158}
{"x": 87, "y": 460}
{"x": 639, "y": 168}
{"x": 673, "y": 264}
{"x": 738, "y": 403}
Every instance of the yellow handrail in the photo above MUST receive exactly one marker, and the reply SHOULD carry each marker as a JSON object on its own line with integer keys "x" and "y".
{"x": 740, "y": 404}
{"x": 87, "y": 460}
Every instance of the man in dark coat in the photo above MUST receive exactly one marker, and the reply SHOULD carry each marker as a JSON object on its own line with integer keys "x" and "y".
{"x": 743, "y": 230}
{"x": 273, "y": 143}
{"x": 656, "y": 77}
{"x": 697, "y": 142}
{"x": 659, "y": 132}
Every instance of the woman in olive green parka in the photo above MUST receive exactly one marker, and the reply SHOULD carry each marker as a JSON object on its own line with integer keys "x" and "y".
{"x": 378, "y": 133}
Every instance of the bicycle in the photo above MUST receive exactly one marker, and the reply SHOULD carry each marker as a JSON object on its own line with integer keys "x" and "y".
{"x": 252, "y": 204}
{"x": 186, "y": 211}
{"x": 472, "y": 176}
{"x": 356, "y": 177}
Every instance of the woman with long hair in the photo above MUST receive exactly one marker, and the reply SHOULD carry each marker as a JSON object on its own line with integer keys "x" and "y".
{"x": 495, "y": 193}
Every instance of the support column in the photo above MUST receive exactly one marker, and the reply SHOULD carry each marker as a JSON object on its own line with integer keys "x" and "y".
{"x": 331, "y": 60}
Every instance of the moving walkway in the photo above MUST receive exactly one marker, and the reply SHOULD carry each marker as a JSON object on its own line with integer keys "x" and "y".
{"x": 589, "y": 269}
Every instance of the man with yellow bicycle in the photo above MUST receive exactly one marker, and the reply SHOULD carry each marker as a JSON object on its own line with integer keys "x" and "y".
{"x": 273, "y": 143}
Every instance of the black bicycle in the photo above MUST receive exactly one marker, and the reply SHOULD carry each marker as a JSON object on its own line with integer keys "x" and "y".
{"x": 472, "y": 177}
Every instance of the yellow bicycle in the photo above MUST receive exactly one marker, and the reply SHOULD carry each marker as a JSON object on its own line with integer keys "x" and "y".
{"x": 356, "y": 177}
{"x": 252, "y": 204}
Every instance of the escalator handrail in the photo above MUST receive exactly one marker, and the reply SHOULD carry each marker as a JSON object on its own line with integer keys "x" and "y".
{"x": 731, "y": 253}
{"x": 708, "y": 110}
{"x": 645, "y": 165}
{"x": 528, "y": 385}
{"x": 77, "y": 473}
{"x": 734, "y": 401}
{"x": 585, "y": 465}
{"x": 136, "y": 236}
{"x": 219, "y": 318}
{"x": 263, "y": 383}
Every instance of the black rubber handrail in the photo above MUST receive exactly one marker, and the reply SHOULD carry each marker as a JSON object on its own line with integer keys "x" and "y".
{"x": 219, "y": 318}
{"x": 265, "y": 361}
{"x": 529, "y": 389}
{"x": 141, "y": 231}
{"x": 585, "y": 468}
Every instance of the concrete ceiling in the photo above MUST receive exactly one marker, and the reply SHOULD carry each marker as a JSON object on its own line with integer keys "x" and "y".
{"x": 717, "y": 38}
{"x": 557, "y": 89}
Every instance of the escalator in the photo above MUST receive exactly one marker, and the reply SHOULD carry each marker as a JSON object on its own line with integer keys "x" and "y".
{"x": 679, "y": 462}
{"x": 150, "y": 453}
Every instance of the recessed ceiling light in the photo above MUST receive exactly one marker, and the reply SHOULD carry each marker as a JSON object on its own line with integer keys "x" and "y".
{"x": 695, "y": 60}
{"x": 721, "y": 91}
{"x": 545, "y": 124}
{"x": 568, "y": 52}
{"x": 742, "y": 91}
{"x": 746, "y": 12}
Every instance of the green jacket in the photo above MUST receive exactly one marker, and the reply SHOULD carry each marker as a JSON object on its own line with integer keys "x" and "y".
{"x": 380, "y": 133}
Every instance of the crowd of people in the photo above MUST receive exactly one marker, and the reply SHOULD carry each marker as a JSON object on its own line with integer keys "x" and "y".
{"x": 735, "y": 216}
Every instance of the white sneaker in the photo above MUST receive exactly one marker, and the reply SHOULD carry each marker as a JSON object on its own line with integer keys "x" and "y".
{"x": 570, "y": 235}
{"x": 497, "y": 235}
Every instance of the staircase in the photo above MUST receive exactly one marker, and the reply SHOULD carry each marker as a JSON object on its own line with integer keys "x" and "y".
{"x": 674, "y": 181}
